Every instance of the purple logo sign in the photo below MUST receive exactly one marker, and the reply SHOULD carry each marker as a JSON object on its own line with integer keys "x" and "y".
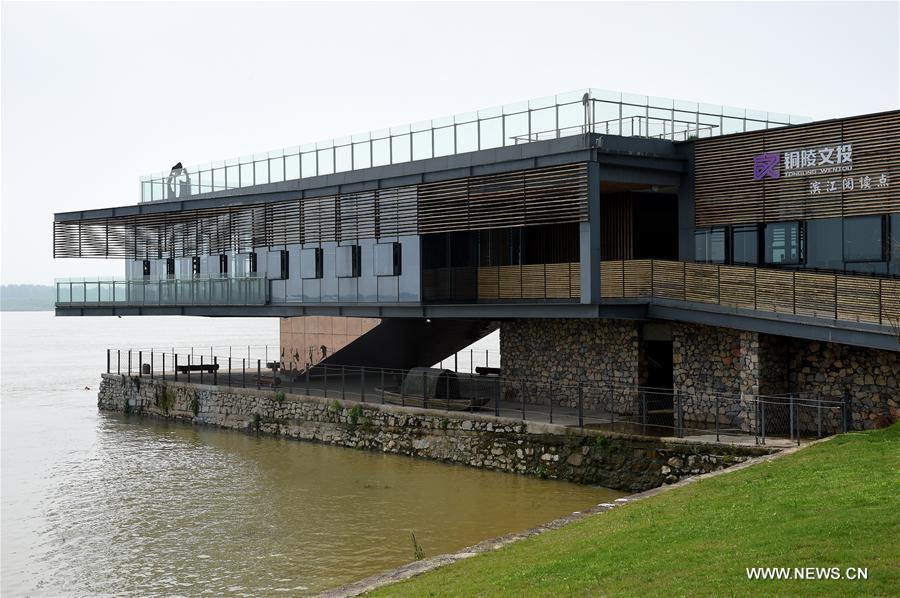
{"x": 766, "y": 164}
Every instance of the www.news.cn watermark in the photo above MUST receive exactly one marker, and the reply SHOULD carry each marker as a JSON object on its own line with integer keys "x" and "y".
{"x": 808, "y": 573}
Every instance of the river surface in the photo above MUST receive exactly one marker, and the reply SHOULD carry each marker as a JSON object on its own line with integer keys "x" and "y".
{"x": 104, "y": 504}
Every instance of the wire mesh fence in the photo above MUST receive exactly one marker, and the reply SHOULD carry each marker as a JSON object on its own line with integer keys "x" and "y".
{"x": 639, "y": 410}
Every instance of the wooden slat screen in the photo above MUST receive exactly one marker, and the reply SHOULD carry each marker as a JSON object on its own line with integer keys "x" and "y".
{"x": 857, "y": 298}
{"x": 726, "y": 192}
{"x": 530, "y": 281}
{"x": 521, "y": 198}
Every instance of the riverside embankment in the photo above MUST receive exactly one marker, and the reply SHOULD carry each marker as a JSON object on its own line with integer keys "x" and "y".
{"x": 619, "y": 461}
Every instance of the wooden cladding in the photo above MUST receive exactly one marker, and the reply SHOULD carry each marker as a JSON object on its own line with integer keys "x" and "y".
{"x": 522, "y": 198}
{"x": 727, "y": 193}
{"x": 530, "y": 281}
{"x": 833, "y": 296}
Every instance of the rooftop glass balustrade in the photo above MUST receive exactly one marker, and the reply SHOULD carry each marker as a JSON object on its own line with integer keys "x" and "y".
{"x": 573, "y": 113}
{"x": 175, "y": 292}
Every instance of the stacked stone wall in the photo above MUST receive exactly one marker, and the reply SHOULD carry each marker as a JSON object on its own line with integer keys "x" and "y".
{"x": 619, "y": 461}
{"x": 557, "y": 354}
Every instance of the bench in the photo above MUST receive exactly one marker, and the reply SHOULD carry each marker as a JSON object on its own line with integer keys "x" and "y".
{"x": 196, "y": 367}
{"x": 486, "y": 371}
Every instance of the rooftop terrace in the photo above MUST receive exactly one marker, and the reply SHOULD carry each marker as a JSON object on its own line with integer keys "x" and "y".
{"x": 573, "y": 113}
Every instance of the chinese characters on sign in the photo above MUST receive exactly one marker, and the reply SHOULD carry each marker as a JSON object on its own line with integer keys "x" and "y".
{"x": 849, "y": 184}
{"x": 819, "y": 160}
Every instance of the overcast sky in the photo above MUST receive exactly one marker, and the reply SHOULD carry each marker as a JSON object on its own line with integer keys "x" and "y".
{"x": 95, "y": 95}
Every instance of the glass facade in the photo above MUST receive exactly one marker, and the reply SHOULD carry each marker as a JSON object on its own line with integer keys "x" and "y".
{"x": 854, "y": 244}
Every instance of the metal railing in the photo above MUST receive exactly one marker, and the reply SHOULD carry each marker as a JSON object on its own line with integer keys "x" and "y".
{"x": 165, "y": 292}
{"x": 582, "y": 111}
{"x": 847, "y": 297}
{"x": 723, "y": 417}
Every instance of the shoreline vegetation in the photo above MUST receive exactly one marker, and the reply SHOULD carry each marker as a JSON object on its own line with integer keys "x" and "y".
{"x": 27, "y": 297}
{"x": 830, "y": 505}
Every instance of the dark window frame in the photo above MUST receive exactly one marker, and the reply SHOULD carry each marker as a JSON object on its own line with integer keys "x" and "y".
{"x": 355, "y": 261}
{"x": 285, "y": 264}
{"x": 864, "y": 260}
{"x": 801, "y": 234}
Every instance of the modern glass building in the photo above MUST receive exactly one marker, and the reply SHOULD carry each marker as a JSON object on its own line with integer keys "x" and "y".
{"x": 697, "y": 233}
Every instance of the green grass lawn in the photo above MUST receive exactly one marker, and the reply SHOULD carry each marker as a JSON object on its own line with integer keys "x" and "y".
{"x": 835, "y": 504}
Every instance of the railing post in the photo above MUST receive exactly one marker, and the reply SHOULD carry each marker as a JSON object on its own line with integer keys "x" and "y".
{"x": 230, "y": 381}
{"x": 845, "y": 413}
{"x": 471, "y": 361}
{"x": 164, "y": 365}
{"x": 151, "y": 364}
{"x": 362, "y": 384}
{"x": 190, "y": 359}
{"x": 201, "y": 368}
{"x": 580, "y": 406}
{"x": 258, "y": 373}
{"x": 679, "y": 424}
{"x": 819, "y": 415}
{"x": 551, "y": 401}
{"x": 382, "y": 386}
{"x": 107, "y": 361}
{"x": 791, "y": 418}
{"x": 447, "y": 390}
{"x": 425, "y": 389}
{"x": 129, "y": 363}
{"x": 140, "y": 364}
{"x": 523, "y": 400}
{"x": 763, "y": 422}
{"x": 343, "y": 375}
{"x": 306, "y": 376}
{"x": 119, "y": 361}
{"x": 215, "y": 371}
{"x": 402, "y": 397}
{"x": 243, "y": 372}
{"x": 325, "y": 381}
{"x": 643, "y": 395}
{"x": 716, "y": 417}
{"x": 175, "y": 366}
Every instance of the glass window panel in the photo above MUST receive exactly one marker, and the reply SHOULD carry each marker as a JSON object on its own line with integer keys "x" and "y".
{"x": 311, "y": 263}
{"x": 292, "y": 167}
{"x": 347, "y": 261}
{"x": 491, "y": 133}
{"x": 571, "y": 118}
{"x": 326, "y": 161}
{"x": 232, "y": 176}
{"x": 717, "y": 246}
{"x": 400, "y": 146}
{"x": 422, "y": 145}
{"x": 824, "y": 241}
{"x": 701, "y": 245}
{"x": 308, "y": 164}
{"x": 246, "y": 174}
{"x": 381, "y": 152}
{"x": 261, "y": 171}
{"x": 387, "y": 259}
{"x": 863, "y": 241}
{"x": 276, "y": 170}
{"x": 362, "y": 157}
{"x": 443, "y": 141}
{"x": 782, "y": 243}
{"x": 467, "y": 137}
{"x": 543, "y": 123}
{"x": 342, "y": 158}
{"x": 516, "y": 126}
{"x": 895, "y": 243}
{"x": 732, "y": 125}
{"x": 745, "y": 244}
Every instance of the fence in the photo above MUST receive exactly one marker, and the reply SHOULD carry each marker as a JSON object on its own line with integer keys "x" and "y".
{"x": 859, "y": 298}
{"x": 628, "y": 409}
{"x": 572, "y": 113}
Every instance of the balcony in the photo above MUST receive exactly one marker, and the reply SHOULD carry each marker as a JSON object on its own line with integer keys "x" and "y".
{"x": 162, "y": 293}
{"x": 847, "y": 298}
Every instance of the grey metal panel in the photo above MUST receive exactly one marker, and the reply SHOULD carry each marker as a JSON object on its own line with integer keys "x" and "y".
{"x": 329, "y": 274}
{"x": 347, "y": 289}
{"x": 410, "y": 288}
{"x": 367, "y": 284}
{"x": 388, "y": 289}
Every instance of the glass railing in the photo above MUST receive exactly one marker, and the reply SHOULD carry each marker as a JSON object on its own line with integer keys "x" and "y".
{"x": 169, "y": 292}
{"x": 573, "y": 113}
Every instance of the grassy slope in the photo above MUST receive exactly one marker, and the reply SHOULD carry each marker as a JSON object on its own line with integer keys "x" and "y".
{"x": 834, "y": 504}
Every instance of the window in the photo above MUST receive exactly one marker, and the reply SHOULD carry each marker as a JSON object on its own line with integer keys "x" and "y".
{"x": 252, "y": 265}
{"x": 864, "y": 239}
{"x": 709, "y": 245}
{"x": 146, "y": 267}
{"x": 824, "y": 242}
{"x": 745, "y": 244}
{"x": 195, "y": 266}
{"x": 311, "y": 263}
{"x": 170, "y": 267}
{"x": 783, "y": 243}
{"x": 349, "y": 261}
{"x": 285, "y": 264}
{"x": 223, "y": 264}
{"x": 387, "y": 259}
{"x": 895, "y": 243}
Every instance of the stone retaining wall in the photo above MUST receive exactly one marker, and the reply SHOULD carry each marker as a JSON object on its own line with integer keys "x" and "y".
{"x": 618, "y": 461}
